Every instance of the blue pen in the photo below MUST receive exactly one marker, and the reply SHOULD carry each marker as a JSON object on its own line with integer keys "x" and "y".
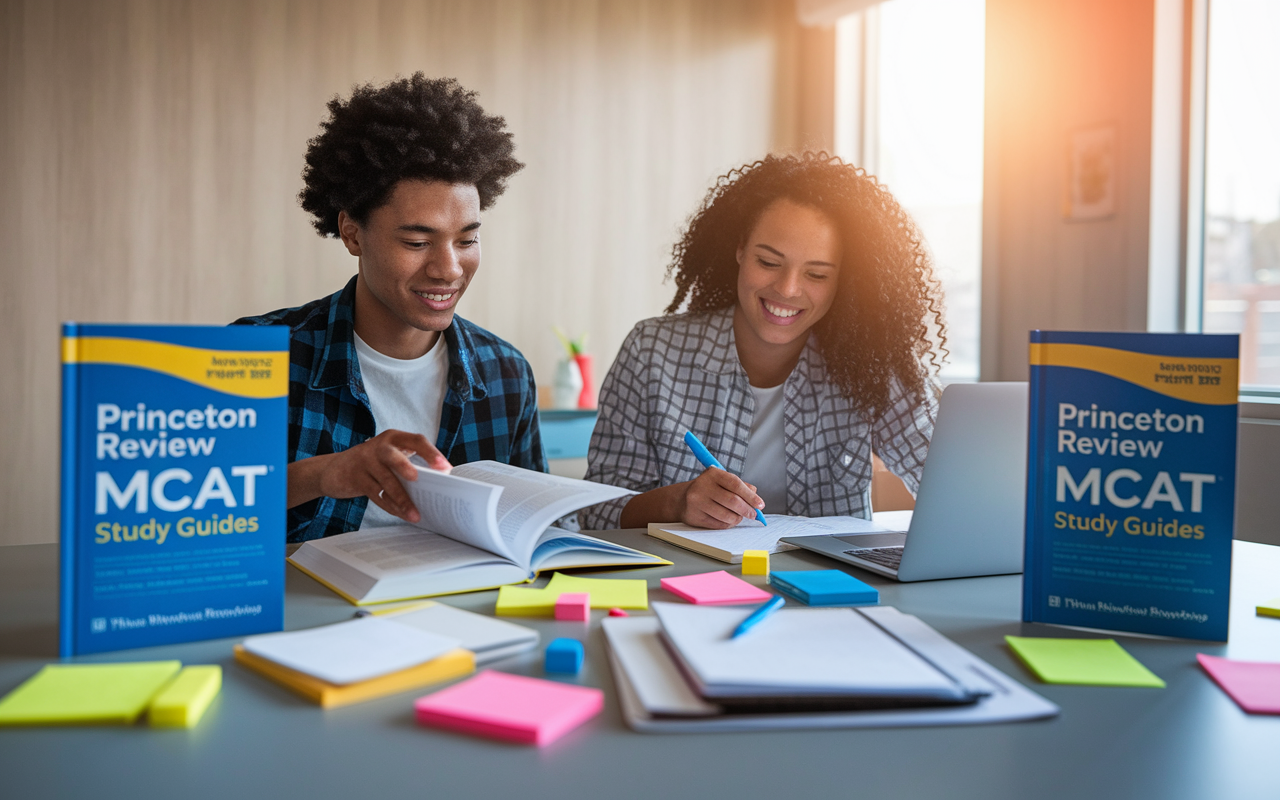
{"x": 705, "y": 458}
{"x": 760, "y": 613}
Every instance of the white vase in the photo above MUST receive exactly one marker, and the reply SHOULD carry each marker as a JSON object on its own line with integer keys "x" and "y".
{"x": 567, "y": 385}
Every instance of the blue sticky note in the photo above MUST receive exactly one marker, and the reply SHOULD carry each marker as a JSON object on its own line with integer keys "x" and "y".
{"x": 824, "y": 587}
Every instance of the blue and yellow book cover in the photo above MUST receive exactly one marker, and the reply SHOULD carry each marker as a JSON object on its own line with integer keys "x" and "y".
{"x": 1131, "y": 482}
{"x": 174, "y": 453}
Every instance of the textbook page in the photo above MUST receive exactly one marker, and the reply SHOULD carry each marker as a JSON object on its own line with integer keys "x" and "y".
{"x": 454, "y": 505}
{"x": 531, "y": 501}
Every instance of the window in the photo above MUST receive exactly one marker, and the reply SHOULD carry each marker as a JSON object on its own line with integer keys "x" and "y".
{"x": 909, "y": 106}
{"x": 1242, "y": 185}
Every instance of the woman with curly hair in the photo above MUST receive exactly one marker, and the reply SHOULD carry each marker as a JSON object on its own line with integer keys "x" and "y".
{"x": 400, "y": 173}
{"x": 804, "y": 345}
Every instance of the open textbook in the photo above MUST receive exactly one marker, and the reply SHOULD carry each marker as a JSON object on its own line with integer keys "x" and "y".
{"x": 482, "y": 525}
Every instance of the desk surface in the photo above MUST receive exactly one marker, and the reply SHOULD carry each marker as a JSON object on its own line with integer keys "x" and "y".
{"x": 1188, "y": 740}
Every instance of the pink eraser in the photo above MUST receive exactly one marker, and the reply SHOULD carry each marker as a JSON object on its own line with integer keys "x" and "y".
{"x": 617, "y": 612}
{"x": 714, "y": 588}
{"x": 575, "y": 606}
{"x": 511, "y": 707}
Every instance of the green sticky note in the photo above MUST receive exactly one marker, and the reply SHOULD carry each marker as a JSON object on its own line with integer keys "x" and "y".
{"x": 516, "y": 601}
{"x": 1271, "y": 608}
{"x": 64, "y": 694}
{"x": 1092, "y": 662}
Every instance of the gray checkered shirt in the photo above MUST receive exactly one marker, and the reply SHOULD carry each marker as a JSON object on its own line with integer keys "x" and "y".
{"x": 681, "y": 372}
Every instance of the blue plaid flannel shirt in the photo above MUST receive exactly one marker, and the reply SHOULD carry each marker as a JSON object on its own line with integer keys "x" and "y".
{"x": 490, "y": 407}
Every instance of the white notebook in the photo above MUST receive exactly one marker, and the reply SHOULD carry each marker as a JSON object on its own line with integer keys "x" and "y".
{"x": 729, "y": 544}
{"x": 489, "y": 638}
{"x": 352, "y": 651}
{"x": 799, "y": 652}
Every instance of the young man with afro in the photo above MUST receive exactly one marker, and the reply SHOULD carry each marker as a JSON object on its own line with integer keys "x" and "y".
{"x": 384, "y": 368}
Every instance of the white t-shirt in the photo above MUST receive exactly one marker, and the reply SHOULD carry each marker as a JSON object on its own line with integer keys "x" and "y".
{"x": 405, "y": 395}
{"x": 766, "y": 464}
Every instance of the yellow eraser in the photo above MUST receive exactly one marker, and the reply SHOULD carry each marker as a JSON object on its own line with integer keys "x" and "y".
{"x": 183, "y": 702}
{"x": 755, "y": 562}
{"x": 1271, "y": 608}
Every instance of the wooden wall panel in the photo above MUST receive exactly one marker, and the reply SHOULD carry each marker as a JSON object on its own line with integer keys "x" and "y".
{"x": 150, "y": 153}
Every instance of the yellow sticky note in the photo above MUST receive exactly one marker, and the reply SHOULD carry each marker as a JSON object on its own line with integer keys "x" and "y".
{"x": 755, "y": 562}
{"x": 63, "y": 694}
{"x": 515, "y": 601}
{"x": 183, "y": 702}
{"x": 1271, "y": 608}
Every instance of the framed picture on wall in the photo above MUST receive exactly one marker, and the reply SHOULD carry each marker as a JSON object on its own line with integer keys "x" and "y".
{"x": 1091, "y": 174}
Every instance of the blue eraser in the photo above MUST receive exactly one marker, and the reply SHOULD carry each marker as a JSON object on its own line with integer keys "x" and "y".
{"x": 564, "y": 655}
{"x": 824, "y": 587}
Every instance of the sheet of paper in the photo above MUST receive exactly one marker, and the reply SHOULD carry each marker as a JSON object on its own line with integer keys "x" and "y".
{"x": 516, "y": 601}
{"x": 1091, "y": 662}
{"x": 89, "y": 693}
{"x": 714, "y": 588}
{"x": 1254, "y": 685}
{"x": 352, "y": 651}
{"x": 751, "y": 535}
{"x": 797, "y": 651}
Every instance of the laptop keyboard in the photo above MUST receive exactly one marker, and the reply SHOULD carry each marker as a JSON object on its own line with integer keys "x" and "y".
{"x": 890, "y": 557}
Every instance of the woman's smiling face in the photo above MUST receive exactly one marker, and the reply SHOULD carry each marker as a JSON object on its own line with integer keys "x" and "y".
{"x": 787, "y": 272}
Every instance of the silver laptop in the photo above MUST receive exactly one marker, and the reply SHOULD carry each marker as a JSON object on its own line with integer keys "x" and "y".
{"x": 968, "y": 518}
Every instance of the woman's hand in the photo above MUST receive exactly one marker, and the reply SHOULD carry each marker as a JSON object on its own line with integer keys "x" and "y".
{"x": 368, "y": 469}
{"x": 715, "y": 499}
{"x": 718, "y": 499}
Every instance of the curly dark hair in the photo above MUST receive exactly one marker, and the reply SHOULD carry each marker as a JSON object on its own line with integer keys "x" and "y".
{"x": 411, "y": 128}
{"x": 887, "y": 297}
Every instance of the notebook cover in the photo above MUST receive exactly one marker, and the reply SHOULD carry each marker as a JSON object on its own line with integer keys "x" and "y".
{"x": 327, "y": 695}
{"x": 510, "y": 707}
{"x": 1131, "y": 481}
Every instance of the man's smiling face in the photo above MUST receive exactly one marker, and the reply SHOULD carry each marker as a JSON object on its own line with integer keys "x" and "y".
{"x": 418, "y": 252}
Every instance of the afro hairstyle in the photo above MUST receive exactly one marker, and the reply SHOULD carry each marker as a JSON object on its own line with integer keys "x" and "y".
{"x": 414, "y": 128}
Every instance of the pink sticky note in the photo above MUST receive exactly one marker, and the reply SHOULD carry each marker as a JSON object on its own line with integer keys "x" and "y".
{"x": 575, "y": 606}
{"x": 714, "y": 587}
{"x": 1254, "y": 685}
{"x": 511, "y": 707}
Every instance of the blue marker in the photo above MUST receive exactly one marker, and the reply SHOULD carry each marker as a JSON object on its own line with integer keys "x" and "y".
{"x": 760, "y": 613}
{"x": 705, "y": 458}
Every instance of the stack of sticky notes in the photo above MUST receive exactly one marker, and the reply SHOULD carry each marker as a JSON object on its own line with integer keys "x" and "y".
{"x": 517, "y": 601}
{"x": 362, "y": 659}
{"x": 714, "y": 588}
{"x": 1271, "y": 608}
{"x": 69, "y": 694}
{"x": 1254, "y": 685}
{"x": 1092, "y": 662}
{"x": 824, "y": 587}
{"x": 511, "y": 707}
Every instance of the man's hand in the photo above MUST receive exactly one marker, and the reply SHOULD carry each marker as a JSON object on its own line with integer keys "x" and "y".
{"x": 368, "y": 469}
